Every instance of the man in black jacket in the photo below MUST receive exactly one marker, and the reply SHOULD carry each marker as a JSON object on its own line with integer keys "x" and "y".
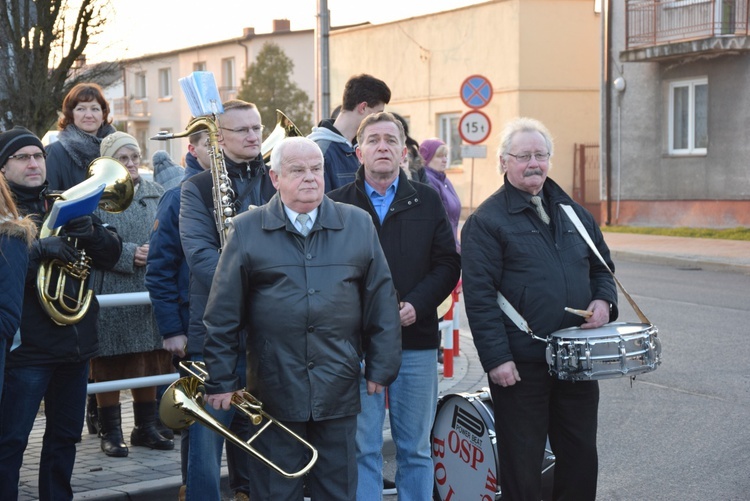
{"x": 309, "y": 280}
{"x": 421, "y": 252}
{"x": 519, "y": 242}
{"x": 241, "y": 138}
{"x": 47, "y": 360}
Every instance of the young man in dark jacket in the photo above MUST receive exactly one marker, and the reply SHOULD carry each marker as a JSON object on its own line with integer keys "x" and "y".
{"x": 168, "y": 278}
{"x": 47, "y": 360}
{"x": 241, "y": 139}
{"x": 363, "y": 95}
{"x": 519, "y": 242}
{"x": 418, "y": 242}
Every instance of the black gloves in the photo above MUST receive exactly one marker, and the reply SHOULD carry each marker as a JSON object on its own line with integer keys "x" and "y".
{"x": 81, "y": 228}
{"x": 56, "y": 248}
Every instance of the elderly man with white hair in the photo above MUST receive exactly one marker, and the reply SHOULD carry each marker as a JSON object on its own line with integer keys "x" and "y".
{"x": 308, "y": 280}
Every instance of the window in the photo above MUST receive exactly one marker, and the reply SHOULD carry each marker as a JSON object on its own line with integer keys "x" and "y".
{"x": 448, "y": 123}
{"x": 201, "y": 66}
{"x": 165, "y": 83}
{"x": 140, "y": 85}
{"x": 227, "y": 90}
{"x": 688, "y": 117}
{"x": 227, "y": 72}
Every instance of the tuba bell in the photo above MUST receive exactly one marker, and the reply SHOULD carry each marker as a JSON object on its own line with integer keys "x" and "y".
{"x": 182, "y": 405}
{"x": 54, "y": 274}
{"x": 284, "y": 128}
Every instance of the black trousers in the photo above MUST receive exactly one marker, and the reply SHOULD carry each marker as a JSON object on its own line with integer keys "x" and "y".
{"x": 334, "y": 476}
{"x": 526, "y": 413}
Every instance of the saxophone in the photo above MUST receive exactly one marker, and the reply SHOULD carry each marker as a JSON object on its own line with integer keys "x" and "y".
{"x": 223, "y": 194}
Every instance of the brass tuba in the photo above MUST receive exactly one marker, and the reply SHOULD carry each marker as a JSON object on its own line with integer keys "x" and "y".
{"x": 284, "y": 128}
{"x": 53, "y": 275}
{"x": 182, "y": 405}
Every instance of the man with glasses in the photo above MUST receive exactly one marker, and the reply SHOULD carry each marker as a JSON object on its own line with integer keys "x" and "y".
{"x": 520, "y": 242}
{"x": 241, "y": 136}
{"x": 47, "y": 361}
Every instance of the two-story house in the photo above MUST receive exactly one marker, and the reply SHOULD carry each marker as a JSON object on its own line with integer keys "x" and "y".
{"x": 152, "y": 100}
{"x": 676, "y": 128}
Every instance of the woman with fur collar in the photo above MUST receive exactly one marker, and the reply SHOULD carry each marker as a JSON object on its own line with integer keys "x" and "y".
{"x": 85, "y": 121}
{"x": 16, "y": 237}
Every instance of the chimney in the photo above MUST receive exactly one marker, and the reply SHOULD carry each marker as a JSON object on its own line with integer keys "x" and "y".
{"x": 281, "y": 25}
{"x": 248, "y": 32}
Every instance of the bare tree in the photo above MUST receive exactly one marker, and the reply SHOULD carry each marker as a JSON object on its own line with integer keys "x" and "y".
{"x": 42, "y": 44}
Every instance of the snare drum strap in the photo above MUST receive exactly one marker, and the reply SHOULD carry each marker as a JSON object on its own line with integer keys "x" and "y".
{"x": 584, "y": 234}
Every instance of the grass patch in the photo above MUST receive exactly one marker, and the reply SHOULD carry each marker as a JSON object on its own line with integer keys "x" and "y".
{"x": 739, "y": 233}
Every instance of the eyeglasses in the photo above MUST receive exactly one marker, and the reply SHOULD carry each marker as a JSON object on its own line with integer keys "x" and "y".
{"x": 526, "y": 157}
{"x": 124, "y": 159}
{"x": 244, "y": 131}
{"x": 25, "y": 157}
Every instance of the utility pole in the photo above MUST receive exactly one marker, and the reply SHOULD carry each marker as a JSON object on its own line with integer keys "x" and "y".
{"x": 322, "y": 70}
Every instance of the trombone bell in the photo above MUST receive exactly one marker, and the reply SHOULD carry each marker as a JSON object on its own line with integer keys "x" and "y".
{"x": 183, "y": 404}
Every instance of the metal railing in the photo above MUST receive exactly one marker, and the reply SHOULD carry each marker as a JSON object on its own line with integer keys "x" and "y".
{"x": 142, "y": 298}
{"x": 655, "y": 22}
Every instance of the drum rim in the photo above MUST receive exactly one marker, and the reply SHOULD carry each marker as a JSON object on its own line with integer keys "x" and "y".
{"x": 589, "y": 333}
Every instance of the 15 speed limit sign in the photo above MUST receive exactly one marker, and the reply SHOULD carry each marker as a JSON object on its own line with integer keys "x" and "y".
{"x": 474, "y": 127}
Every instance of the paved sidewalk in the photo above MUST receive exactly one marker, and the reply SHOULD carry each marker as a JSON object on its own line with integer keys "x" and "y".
{"x": 149, "y": 475}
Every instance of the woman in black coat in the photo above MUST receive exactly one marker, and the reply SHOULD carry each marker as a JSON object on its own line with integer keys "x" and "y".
{"x": 84, "y": 123}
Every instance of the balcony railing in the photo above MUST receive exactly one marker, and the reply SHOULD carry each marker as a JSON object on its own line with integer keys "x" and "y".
{"x": 130, "y": 108}
{"x": 656, "y": 22}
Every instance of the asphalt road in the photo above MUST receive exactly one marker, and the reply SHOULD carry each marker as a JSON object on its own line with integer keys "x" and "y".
{"x": 681, "y": 432}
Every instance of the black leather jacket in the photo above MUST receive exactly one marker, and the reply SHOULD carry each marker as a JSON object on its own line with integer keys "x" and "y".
{"x": 308, "y": 305}
{"x": 540, "y": 269}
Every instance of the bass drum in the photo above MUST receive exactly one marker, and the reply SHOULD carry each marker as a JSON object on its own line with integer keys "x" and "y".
{"x": 464, "y": 450}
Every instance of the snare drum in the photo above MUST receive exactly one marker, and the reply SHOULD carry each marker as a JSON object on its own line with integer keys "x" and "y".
{"x": 612, "y": 350}
{"x": 464, "y": 450}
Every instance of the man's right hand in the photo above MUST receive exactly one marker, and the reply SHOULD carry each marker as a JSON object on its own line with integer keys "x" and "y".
{"x": 56, "y": 248}
{"x": 505, "y": 374}
{"x": 176, "y": 345}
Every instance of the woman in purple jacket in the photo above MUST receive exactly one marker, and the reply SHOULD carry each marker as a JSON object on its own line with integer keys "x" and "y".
{"x": 435, "y": 158}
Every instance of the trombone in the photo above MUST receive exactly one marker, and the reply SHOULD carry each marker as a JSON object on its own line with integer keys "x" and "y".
{"x": 183, "y": 404}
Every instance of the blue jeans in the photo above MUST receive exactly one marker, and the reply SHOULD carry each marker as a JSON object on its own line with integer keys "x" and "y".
{"x": 204, "y": 452}
{"x": 412, "y": 400}
{"x": 63, "y": 388}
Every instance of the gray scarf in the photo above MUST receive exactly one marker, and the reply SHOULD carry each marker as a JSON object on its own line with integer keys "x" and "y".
{"x": 83, "y": 147}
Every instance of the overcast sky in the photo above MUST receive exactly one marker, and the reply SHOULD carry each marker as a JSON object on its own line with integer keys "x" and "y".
{"x": 138, "y": 27}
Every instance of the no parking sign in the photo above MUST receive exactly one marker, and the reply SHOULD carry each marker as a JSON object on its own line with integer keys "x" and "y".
{"x": 475, "y": 126}
{"x": 476, "y": 91}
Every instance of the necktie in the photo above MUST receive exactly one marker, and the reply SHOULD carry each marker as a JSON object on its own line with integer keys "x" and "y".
{"x": 302, "y": 219}
{"x": 537, "y": 201}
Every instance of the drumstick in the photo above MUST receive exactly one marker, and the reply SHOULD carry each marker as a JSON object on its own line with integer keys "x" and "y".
{"x": 580, "y": 313}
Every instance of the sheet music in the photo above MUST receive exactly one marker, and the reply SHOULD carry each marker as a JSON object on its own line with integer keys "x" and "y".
{"x": 64, "y": 210}
{"x": 201, "y": 93}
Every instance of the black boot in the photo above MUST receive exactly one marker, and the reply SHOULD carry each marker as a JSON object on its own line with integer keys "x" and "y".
{"x": 145, "y": 432}
{"x": 92, "y": 418}
{"x": 110, "y": 424}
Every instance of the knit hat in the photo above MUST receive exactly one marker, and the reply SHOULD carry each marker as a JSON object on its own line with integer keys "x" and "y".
{"x": 115, "y": 141}
{"x": 428, "y": 148}
{"x": 13, "y": 140}
{"x": 166, "y": 172}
